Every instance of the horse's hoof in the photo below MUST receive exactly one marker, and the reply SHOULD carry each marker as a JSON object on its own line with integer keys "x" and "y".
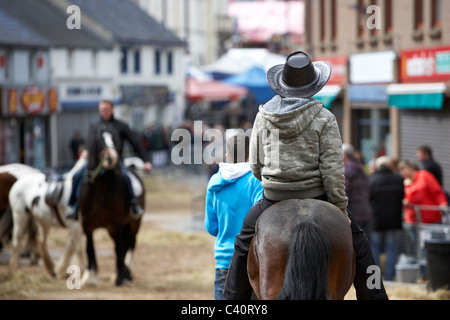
{"x": 124, "y": 283}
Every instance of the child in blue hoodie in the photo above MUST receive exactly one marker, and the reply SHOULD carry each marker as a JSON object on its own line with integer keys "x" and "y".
{"x": 231, "y": 193}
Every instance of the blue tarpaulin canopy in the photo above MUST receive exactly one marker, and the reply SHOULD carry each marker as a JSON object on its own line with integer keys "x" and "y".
{"x": 254, "y": 79}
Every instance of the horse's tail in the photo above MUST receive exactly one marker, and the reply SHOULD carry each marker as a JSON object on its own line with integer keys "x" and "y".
{"x": 6, "y": 224}
{"x": 306, "y": 272}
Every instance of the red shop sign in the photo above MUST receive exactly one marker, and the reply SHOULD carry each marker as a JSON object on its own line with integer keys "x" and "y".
{"x": 429, "y": 64}
{"x": 33, "y": 99}
{"x": 338, "y": 69}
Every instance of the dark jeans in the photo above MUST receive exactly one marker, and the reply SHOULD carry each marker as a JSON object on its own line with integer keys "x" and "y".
{"x": 237, "y": 285}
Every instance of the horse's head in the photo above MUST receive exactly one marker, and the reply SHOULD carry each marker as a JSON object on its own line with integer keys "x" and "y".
{"x": 109, "y": 155}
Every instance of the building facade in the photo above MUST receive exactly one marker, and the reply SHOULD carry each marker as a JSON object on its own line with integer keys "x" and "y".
{"x": 396, "y": 58}
{"x": 53, "y": 77}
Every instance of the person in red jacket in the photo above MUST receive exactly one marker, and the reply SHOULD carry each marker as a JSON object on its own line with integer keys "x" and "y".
{"x": 422, "y": 188}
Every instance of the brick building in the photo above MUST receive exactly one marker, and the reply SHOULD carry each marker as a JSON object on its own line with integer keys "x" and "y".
{"x": 391, "y": 73}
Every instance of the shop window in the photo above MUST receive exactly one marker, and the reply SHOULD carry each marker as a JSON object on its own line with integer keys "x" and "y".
{"x": 334, "y": 14}
{"x": 322, "y": 21}
{"x": 157, "y": 62}
{"x": 170, "y": 62}
{"x": 137, "y": 61}
{"x": 361, "y": 23}
{"x": 418, "y": 20}
{"x": 388, "y": 22}
{"x": 124, "y": 61}
{"x": 436, "y": 22}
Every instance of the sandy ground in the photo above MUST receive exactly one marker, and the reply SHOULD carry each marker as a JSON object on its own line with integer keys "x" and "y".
{"x": 173, "y": 259}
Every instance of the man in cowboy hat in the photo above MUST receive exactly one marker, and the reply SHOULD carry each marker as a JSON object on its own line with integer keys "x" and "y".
{"x": 309, "y": 165}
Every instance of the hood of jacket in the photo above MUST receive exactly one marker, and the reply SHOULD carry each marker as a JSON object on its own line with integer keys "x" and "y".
{"x": 291, "y": 116}
{"x": 228, "y": 174}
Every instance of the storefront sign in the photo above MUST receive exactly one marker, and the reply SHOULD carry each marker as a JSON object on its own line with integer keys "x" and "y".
{"x": 33, "y": 99}
{"x": 430, "y": 64}
{"x": 13, "y": 101}
{"x": 338, "y": 69}
{"x": 372, "y": 68}
{"x": 53, "y": 99}
{"x": 23, "y": 100}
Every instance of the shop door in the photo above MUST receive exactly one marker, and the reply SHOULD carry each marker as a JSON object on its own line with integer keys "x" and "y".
{"x": 373, "y": 133}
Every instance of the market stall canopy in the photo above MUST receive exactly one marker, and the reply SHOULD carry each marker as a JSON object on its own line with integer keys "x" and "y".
{"x": 328, "y": 94}
{"x": 255, "y": 80}
{"x": 237, "y": 61}
{"x": 212, "y": 90}
{"x": 417, "y": 96}
{"x": 261, "y": 21}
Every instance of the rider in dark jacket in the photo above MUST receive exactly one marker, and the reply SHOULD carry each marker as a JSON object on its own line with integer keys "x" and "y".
{"x": 120, "y": 132}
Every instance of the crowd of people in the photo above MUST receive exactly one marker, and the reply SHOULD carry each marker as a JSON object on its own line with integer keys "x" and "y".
{"x": 391, "y": 194}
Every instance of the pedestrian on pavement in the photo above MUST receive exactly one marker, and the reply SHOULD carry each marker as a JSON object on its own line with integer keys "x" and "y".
{"x": 386, "y": 202}
{"x": 357, "y": 188}
{"x": 424, "y": 155}
{"x": 231, "y": 192}
{"x": 421, "y": 188}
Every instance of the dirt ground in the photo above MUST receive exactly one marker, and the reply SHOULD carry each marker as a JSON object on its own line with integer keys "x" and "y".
{"x": 173, "y": 259}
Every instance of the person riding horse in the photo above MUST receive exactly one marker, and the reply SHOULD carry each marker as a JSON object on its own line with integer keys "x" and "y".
{"x": 309, "y": 164}
{"x": 120, "y": 132}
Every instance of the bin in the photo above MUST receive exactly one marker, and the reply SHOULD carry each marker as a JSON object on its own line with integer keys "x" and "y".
{"x": 438, "y": 264}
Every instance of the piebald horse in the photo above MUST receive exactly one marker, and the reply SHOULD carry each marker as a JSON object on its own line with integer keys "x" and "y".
{"x": 27, "y": 199}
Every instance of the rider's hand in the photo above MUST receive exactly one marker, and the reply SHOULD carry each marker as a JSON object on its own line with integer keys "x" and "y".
{"x": 147, "y": 167}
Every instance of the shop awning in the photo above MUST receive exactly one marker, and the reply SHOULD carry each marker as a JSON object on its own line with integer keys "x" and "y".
{"x": 328, "y": 94}
{"x": 213, "y": 90}
{"x": 417, "y": 96}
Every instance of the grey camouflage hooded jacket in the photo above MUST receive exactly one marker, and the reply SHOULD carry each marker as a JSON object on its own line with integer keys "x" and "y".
{"x": 296, "y": 151}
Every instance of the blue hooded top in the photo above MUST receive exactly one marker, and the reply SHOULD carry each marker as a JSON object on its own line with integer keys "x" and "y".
{"x": 231, "y": 193}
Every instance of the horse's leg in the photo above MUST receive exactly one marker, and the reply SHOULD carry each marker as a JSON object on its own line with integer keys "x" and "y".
{"x": 122, "y": 242}
{"x": 72, "y": 246}
{"x": 32, "y": 245}
{"x": 253, "y": 269}
{"x": 20, "y": 221}
{"x": 90, "y": 274}
{"x": 129, "y": 258}
{"x": 43, "y": 250}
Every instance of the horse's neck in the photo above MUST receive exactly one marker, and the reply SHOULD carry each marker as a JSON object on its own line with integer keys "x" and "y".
{"x": 78, "y": 165}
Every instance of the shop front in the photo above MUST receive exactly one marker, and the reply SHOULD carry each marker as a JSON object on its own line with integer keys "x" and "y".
{"x": 423, "y": 100}
{"x": 332, "y": 94}
{"x": 368, "y": 119}
{"x": 25, "y": 124}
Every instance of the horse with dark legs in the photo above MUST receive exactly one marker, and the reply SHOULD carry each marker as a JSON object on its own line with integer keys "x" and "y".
{"x": 302, "y": 250}
{"x": 104, "y": 203}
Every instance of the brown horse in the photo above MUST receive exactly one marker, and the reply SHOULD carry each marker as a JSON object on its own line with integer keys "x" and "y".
{"x": 104, "y": 203}
{"x": 302, "y": 250}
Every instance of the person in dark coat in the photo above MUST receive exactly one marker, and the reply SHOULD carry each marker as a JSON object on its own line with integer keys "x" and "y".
{"x": 386, "y": 196}
{"x": 425, "y": 156}
{"x": 357, "y": 188}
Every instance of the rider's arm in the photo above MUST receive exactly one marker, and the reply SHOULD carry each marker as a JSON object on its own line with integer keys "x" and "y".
{"x": 130, "y": 136}
{"x": 331, "y": 165}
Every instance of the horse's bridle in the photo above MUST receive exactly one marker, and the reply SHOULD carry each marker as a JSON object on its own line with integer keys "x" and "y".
{"x": 109, "y": 157}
